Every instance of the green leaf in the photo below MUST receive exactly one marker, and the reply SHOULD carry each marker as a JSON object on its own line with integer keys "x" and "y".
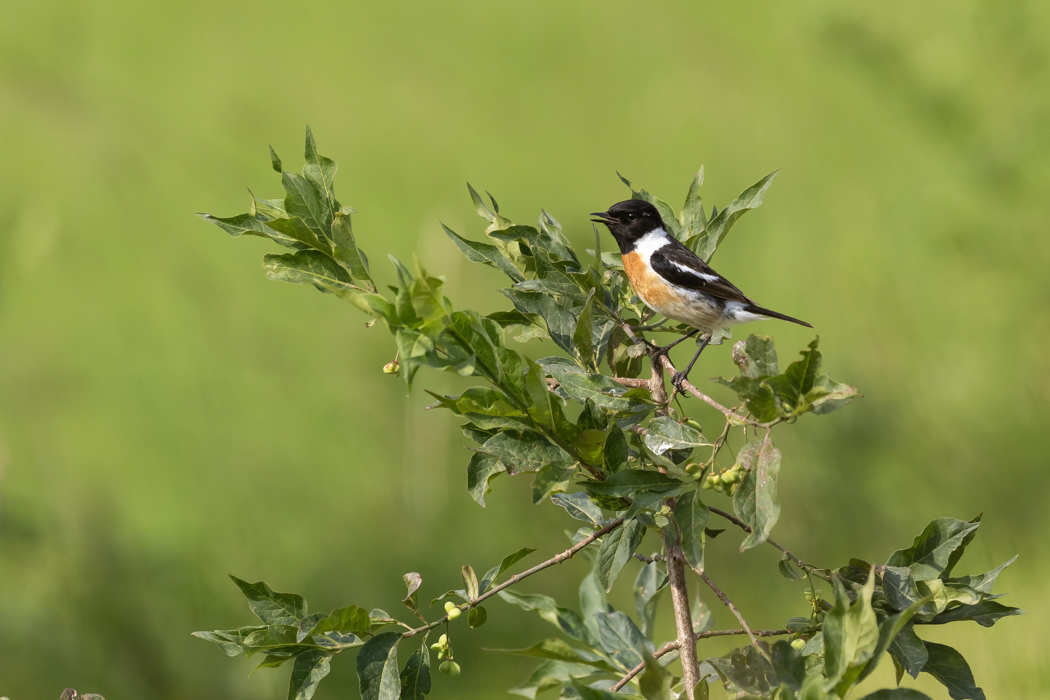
{"x": 896, "y": 694}
{"x": 232, "y": 642}
{"x": 247, "y": 224}
{"x": 484, "y": 253}
{"x": 559, "y": 650}
{"x": 412, "y": 582}
{"x": 985, "y": 613}
{"x": 588, "y": 693}
{"x": 307, "y": 671}
{"x": 415, "y": 676}
{"x": 691, "y": 515}
{"x": 275, "y": 162}
{"x": 889, "y": 628}
{"x": 655, "y": 681}
{"x": 984, "y": 582}
{"x": 578, "y": 506}
{"x": 647, "y": 588}
{"x": 930, "y": 553}
{"x": 270, "y": 607}
{"x": 470, "y": 581}
{"x": 788, "y": 571}
{"x": 553, "y": 674}
{"x": 592, "y": 601}
{"x": 664, "y": 433}
{"x": 909, "y": 651}
{"x": 582, "y": 337}
{"x": 351, "y": 619}
{"x": 615, "y": 551}
{"x": 756, "y": 501}
{"x": 621, "y": 639}
{"x": 748, "y": 670}
{"x": 346, "y": 252}
{"x": 950, "y": 668}
{"x": 308, "y": 267}
{"x": 615, "y": 452}
{"x": 481, "y": 470}
{"x": 666, "y": 212}
{"x": 706, "y": 243}
{"x": 524, "y": 451}
{"x": 755, "y": 393}
{"x": 568, "y": 621}
{"x": 692, "y": 215}
{"x": 631, "y": 481}
{"x": 761, "y": 356}
{"x": 851, "y": 635}
{"x": 797, "y": 380}
{"x": 604, "y": 392}
{"x": 561, "y": 323}
{"x": 493, "y": 574}
{"x": 377, "y": 668}
{"x": 476, "y": 617}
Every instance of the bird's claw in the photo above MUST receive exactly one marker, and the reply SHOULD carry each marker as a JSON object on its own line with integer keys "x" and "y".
{"x": 677, "y": 380}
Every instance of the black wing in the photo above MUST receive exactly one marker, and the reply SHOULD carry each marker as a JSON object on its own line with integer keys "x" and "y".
{"x": 681, "y": 266}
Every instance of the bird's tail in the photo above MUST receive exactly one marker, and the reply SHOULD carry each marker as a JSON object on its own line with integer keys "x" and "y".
{"x": 773, "y": 314}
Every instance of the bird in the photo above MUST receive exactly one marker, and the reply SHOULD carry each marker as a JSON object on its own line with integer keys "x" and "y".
{"x": 674, "y": 281}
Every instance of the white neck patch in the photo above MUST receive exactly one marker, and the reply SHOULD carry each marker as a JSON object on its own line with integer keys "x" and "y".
{"x": 651, "y": 242}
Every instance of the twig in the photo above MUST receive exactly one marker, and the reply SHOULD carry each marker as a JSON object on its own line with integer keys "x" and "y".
{"x": 557, "y": 559}
{"x": 656, "y": 386}
{"x": 671, "y": 646}
{"x": 732, "y": 608}
{"x": 648, "y": 560}
{"x": 727, "y": 412}
{"x": 808, "y": 568}
{"x": 682, "y": 615}
{"x": 632, "y": 382}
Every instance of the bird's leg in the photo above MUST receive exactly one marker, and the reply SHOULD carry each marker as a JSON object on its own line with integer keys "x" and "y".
{"x": 664, "y": 350}
{"x": 680, "y": 377}
{"x": 652, "y": 326}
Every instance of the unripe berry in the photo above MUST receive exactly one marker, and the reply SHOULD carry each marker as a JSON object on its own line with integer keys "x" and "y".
{"x": 730, "y": 477}
{"x": 391, "y": 367}
{"x": 452, "y": 610}
{"x": 715, "y": 480}
{"x": 798, "y": 644}
{"x": 449, "y": 668}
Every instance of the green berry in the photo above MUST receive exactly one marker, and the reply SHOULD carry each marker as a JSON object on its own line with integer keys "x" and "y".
{"x": 452, "y": 610}
{"x": 798, "y": 644}
{"x": 730, "y": 477}
{"x": 715, "y": 480}
{"x": 391, "y": 368}
{"x": 449, "y": 668}
{"x": 708, "y": 485}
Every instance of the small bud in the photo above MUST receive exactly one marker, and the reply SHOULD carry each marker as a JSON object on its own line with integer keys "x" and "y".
{"x": 798, "y": 644}
{"x": 391, "y": 368}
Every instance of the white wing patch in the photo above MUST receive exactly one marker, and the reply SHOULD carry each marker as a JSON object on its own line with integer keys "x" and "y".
{"x": 699, "y": 275}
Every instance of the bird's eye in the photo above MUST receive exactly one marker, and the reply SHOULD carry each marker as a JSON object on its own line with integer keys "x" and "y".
{"x": 632, "y": 215}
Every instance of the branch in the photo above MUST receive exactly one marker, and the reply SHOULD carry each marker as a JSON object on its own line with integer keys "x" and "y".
{"x": 517, "y": 578}
{"x": 682, "y": 615}
{"x": 671, "y": 646}
{"x": 732, "y": 608}
{"x": 808, "y": 568}
{"x": 622, "y": 381}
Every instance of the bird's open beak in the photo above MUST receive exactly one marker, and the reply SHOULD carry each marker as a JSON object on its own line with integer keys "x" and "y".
{"x": 602, "y": 218}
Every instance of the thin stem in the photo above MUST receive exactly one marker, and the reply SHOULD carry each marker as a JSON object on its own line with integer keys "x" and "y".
{"x": 727, "y": 412}
{"x": 632, "y": 382}
{"x": 732, "y": 608}
{"x": 671, "y": 646}
{"x": 808, "y": 568}
{"x": 517, "y": 578}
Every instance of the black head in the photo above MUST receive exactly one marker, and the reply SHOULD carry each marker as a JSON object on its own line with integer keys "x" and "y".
{"x": 630, "y": 220}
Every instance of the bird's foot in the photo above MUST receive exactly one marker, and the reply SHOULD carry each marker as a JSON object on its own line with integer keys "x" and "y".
{"x": 677, "y": 380}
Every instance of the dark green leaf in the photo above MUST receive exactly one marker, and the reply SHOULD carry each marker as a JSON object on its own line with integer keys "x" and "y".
{"x": 481, "y": 470}
{"x": 604, "y": 392}
{"x": 950, "y": 668}
{"x": 552, "y": 478}
{"x": 631, "y": 481}
{"x": 377, "y": 667}
{"x": 896, "y": 694}
{"x": 909, "y": 651}
{"x": 984, "y": 582}
{"x": 493, "y": 574}
{"x": 307, "y": 671}
{"x": 931, "y": 551}
{"x": 691, "y": 515}
{"x": 788, "y": 571}
{"x": 346, "y": 252}
{"x": 485, "y": 253}
{"x": 851, "y": 635}
{"x": 270, "y": 607}
{"x": 351, "y": 619}
{"x": 615, "y": 452}
{"x": 985, "y": 613}
{"x": 755, "y": 393}
{"x": 232, "y": 642}
{"x": 748, "y": 670}
{"x": 615, "y": 551}
{"x": 582, "y": 337}
{"x": 761, "y": 356}
{"x": 308, "y": 267}
{"x": 476, "y": 617}
{"x": 588, "y": 693}
{"x": 558, "y": 650}
{"x": 415, "y": 676}
{"x": 621, "y": 639}
{"x": 553, "y": 674}
{"x": 756, "y": 501}
{"x": 788, "y": 664}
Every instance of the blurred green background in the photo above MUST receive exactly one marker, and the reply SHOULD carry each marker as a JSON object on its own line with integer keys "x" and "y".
{"x": 167, "y": 415}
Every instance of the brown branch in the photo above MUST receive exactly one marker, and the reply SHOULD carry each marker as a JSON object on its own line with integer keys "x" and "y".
{"x": 671, "y": 646}
{"x": 808, "y": 568}
{"x": 517, "y": 578}
{"x": 682, "y": 615}
{"x": 632, "y": 382}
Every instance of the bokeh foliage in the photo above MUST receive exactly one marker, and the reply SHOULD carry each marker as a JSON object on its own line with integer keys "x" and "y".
{"x": 141, "y": 360}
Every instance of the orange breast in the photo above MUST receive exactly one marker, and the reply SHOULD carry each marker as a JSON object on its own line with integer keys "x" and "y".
{"x": 650, "y": 287}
